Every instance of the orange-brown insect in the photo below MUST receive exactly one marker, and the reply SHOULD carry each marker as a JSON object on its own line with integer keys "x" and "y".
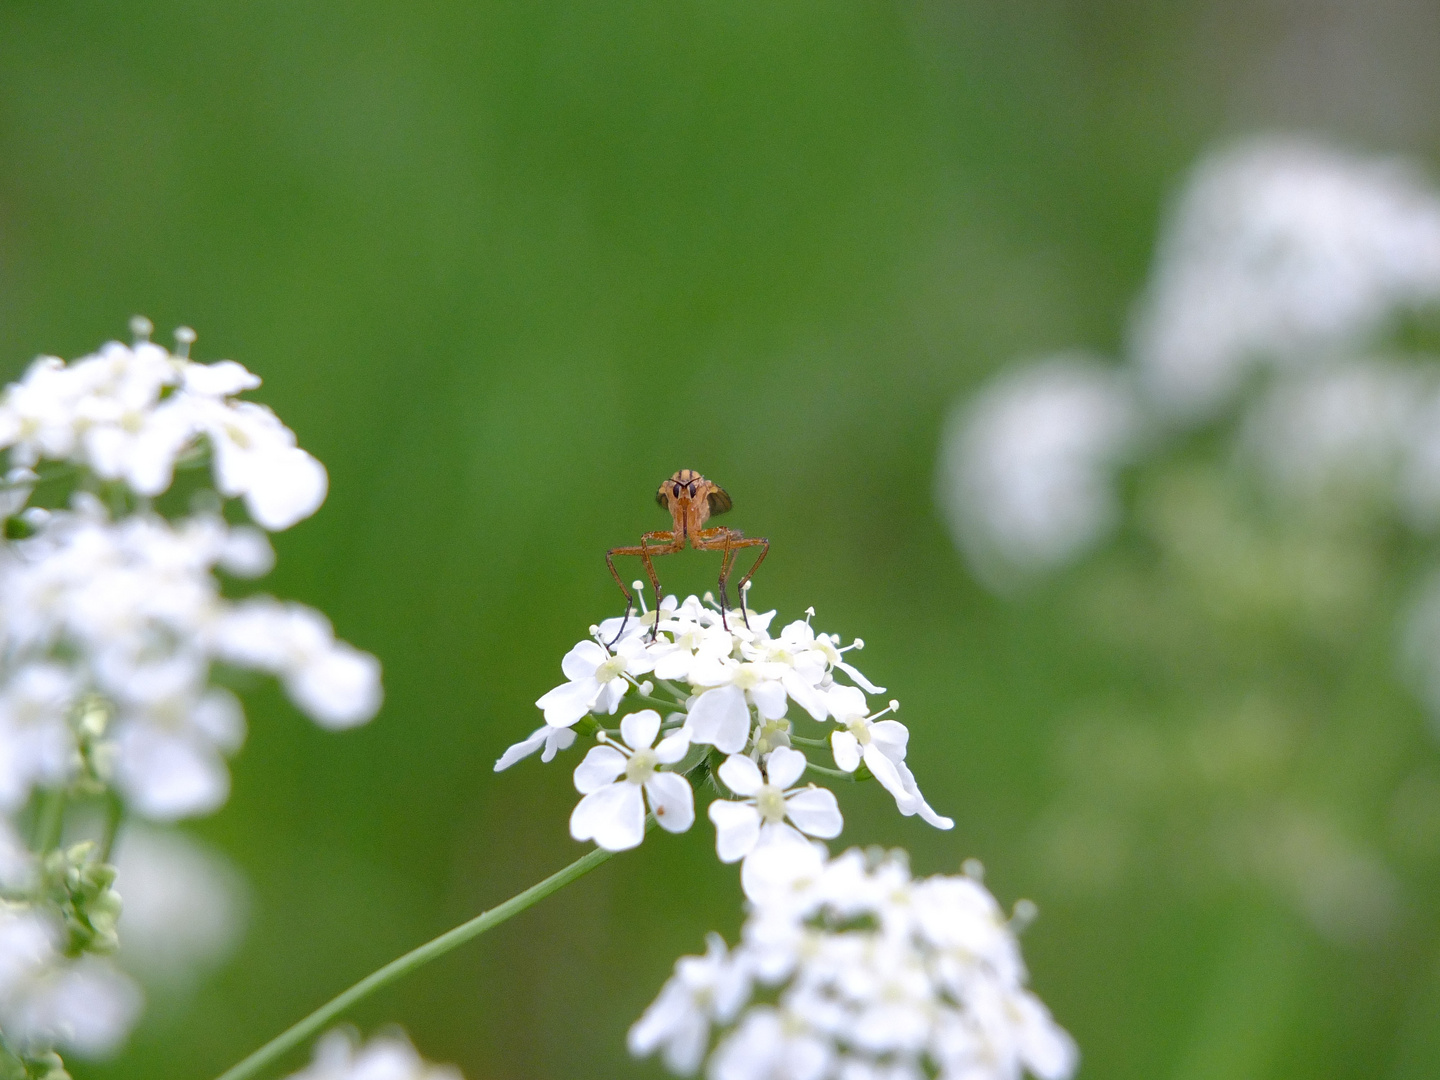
{"x": 692, "y": 501}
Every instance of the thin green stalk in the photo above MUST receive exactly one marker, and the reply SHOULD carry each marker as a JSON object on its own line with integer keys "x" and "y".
{"x": 114, "y": 816}
{"x": 404, "y": 965}
{"x": 834, "y": 774}
{"x": 51, "y": 820}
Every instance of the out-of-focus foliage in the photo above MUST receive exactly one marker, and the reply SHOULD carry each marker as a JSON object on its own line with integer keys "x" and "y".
{"x": 505, "y": 266}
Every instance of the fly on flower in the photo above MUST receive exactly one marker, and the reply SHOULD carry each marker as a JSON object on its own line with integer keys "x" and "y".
{"x": 692, "y": 501}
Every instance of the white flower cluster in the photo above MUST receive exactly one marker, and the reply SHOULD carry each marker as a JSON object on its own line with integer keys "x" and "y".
{"x": 130, "y": 413}
{"x": 113, "y": 632}
{"x": 717, "y": 698}
{"x": 48, "y": 998}
{"x": 109, "y": 632}
{"x": 850, "y": 969}
{"x": 339, "y": 1055}
{"x": 1281, "y": 259}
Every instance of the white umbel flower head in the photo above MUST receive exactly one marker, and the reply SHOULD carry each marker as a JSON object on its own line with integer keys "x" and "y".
{"x": 860, "y": 972}
{"x": 722, "y": 681}
{"x": 612, "y": 778}
{"x": 340, "y": 1055}
{"x": 704, "y": 990}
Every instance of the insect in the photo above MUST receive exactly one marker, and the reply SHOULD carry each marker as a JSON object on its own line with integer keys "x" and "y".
{"x": 692, "y": 501}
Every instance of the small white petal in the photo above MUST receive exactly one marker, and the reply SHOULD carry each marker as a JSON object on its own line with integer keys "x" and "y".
{"x": 721, "y": 718}
{"x": 671, "y": 801}
{"x": 769, "y": 698}
{"x": 737, "y": 828}
{"x": 846, "y": 749}
{"x": 673, "y": 747}
{"x": 640, "y": 728}
{"x": 784, "y": 766}
{"x": 558, "y": 739}
{"x": 288, "y": 485}
{"x": 600, "y": 767}
{"x": 581, "y": 661}
{"x": 740, "y": 775}
{"x": 524, "y": 748}
{"x": 568, "y": 702}
{"x": 815, "y": 812}
{"x": 860, "y": 680}
{"x": 614, "y": 817}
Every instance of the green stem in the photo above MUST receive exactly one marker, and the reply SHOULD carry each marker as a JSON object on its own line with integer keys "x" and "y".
{"x": 51, "y": 820}
{"x": 804, "y": 741}
{"x": 404, "y": 965}
{"x": 834, "y": 774}
{"x": 114, "y": 816}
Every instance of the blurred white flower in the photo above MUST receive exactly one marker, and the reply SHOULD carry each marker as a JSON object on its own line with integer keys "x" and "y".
{"x": 184, "y": 905}
{"x": 1348, "y": 425}
{"x": 1279, "y": 250}
{"x": 612, "y": 778}
{"x": 82, "y": 1005}
{"x": 130, "y": 412}
{"x": 1026, "y": 469}
{"x": 865, "y": 973}
{"x": 704, "y": 990}
{"x": 339, "y": 1055}
{"x": 130, "y": 610}
{"x": 767, "y": 802}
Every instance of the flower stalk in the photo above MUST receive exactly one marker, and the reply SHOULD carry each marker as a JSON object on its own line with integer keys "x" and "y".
{"x": 416, "y": 958}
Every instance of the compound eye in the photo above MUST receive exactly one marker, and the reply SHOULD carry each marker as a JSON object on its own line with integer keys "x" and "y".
{"x": 692, "y": 491}
{"x": 676, "y": 491}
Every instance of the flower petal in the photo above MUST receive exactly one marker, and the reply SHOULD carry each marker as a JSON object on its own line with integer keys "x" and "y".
{"x": 673, "y": 747}
{"x": 860, "y": 680}
{"x": 815, "y": 811}
{"x": 769, "y": 698}
{"x": 721, "y": 718}
{"x": 640, "y": 728}
{"x": 784, "y": 766}
{"x": 805, "y": 695}
{"x": 737, "y": 828}
{"x": 740, "y": 775}
{"x": 613, "y": 816}
{"x": 846, "y": 749}
{"x": 560, "y": 739}
{"x": 600, "y": 767}
{"x": 524, "y": 748}
{"x": 671, "y": 801}
{"x": 568, "y": 702}
{"x": 581, "y": 661}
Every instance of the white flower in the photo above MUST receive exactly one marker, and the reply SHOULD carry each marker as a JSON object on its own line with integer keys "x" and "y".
{"x": 596, "y": 680}
{"x": 611, "y": 779}
{"x": 881, "y": 745}
{"x": 340, "y": 1056}
{"x": 552, "y": 739}
{"x": 864, "y": 974}
{"x": 704, "y": 990}
{"x": 36, "y": 743}
{"x": 1026, "y": 471}
{"x": 332, "y": 681}
{"x": 769, "y": 1045}
{"x": 83, "y": 1005}
{"x": 184, "y": 905}
{"x": 765, "y": 804}
{"x": 1280, "y": 251}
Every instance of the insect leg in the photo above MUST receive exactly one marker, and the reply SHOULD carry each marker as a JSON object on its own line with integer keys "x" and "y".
{"x": 764, "y": 546}
{"x": 644, "y": 552}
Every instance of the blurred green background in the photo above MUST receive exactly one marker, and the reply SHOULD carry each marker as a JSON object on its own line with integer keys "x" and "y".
{"x": 504, "y": 266}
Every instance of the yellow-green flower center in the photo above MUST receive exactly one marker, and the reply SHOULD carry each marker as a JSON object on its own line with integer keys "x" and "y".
{"x": 641, "y": 766}
{"x": 770, "y": 801}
